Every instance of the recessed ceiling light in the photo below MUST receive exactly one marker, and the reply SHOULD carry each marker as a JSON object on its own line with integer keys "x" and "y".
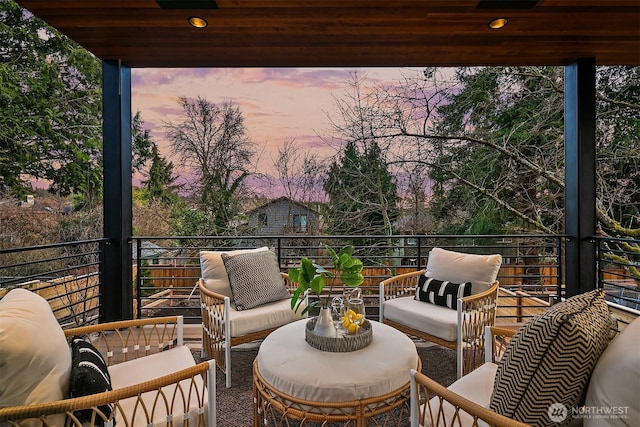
{"x": 498, "y": 23}
{"x": 197, "y": 22}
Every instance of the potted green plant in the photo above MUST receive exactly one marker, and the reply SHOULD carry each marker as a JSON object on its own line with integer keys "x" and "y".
{"x": 313, "y": 278}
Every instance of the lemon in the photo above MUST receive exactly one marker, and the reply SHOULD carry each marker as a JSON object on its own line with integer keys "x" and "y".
{"x": 353, "y": 328}
{"x": 350, "y": 313}
{"x": 346, "y": 321}
{"x": 358, "y": 316}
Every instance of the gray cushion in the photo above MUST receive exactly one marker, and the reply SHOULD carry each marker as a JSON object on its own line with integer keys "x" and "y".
{"x": 254, "y": 279}
{"x": 546, "y": 366}
{"x": 214, "y": 275}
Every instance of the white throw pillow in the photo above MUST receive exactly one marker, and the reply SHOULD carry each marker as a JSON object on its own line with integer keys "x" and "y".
{"x": 34, "y": 353}
{"x": 457, "y": 267}
{"x": 214, "y": 274}
{"x": 615, "y": 382}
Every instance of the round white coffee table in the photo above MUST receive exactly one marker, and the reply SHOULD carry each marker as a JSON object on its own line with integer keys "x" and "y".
{"x": 293, "y": 380}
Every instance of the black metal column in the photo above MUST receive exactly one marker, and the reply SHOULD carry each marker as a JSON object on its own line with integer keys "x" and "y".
{"x": 580, "y": 175}
{"x": 117, "y": 290}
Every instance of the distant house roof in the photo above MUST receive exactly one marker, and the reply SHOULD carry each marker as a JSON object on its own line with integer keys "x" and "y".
{"x": 283, "y": 199}
{"x": 148, "y": 250}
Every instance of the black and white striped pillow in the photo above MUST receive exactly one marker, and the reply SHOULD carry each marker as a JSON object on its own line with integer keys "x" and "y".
{"x": 441, "y": 292}
{"x": 89, "y": 375}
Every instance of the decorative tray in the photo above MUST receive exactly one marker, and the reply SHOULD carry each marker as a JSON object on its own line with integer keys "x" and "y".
{"x": 342, "y": 343}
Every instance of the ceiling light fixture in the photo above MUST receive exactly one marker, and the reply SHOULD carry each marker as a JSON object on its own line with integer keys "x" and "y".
{"x": 498, "y": 23}
{"x": 197, "y": 22}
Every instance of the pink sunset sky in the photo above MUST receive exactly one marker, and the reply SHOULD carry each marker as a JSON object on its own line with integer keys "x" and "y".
{"x": 278, "y": 104}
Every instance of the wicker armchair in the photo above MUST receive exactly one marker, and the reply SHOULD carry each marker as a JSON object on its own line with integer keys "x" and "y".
{"x": 449, "y": 406}
{"x": 224, "y": 327}
{"x": 551, "y": 370}
{"x": 217, "y": 316}
{"x": 176, "y": 388}
{"x": 461, "y": 329}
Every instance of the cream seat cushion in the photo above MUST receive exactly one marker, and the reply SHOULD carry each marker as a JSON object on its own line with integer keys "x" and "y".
{"x": 272, "y": 315}
{"x": 149, "y": 368}
{"x": 441, "y": 322}
{"x": 458, "y": 267}
{"x": 476, "y": 386}
{"x": 214, "y": 273}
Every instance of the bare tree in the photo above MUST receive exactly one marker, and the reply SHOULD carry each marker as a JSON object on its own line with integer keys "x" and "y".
{"x": 211, "y": 141}
{"x": 299, "y": 174}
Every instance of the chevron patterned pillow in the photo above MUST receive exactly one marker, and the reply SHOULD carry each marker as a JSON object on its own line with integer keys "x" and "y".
{"x": 545, "y": 370}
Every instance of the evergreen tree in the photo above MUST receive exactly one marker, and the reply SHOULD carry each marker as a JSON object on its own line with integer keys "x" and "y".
{"x": 143, "y": 148}
{"x": 51, "y": 111}
{"x": 618, "y": 144}
{"x": 159, "y": 184}
{"x": 499, "y": 157}
{"x": 50, "y": 108}
{"x": 362, "y": 193}
{"x": 518, "y": 113}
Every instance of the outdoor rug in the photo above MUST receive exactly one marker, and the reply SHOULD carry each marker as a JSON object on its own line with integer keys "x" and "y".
{"x": 235, "y": 404}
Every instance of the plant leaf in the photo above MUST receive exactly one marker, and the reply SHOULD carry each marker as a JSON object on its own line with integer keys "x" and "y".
{"x": 351, "y": 278}
{"x": 332, "y": 254}
{"x": 294, "y": 274}
{"x": 317, "y": 284}
{"x": 295, "y": 298}
{"x": 309, "y": 307}
{"x": 308, "y": 270}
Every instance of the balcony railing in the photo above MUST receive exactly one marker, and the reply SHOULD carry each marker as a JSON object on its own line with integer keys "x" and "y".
{"x": 166, "y": 269}
{"x": 619, "y": 270}
{"x": 68, "y": 275}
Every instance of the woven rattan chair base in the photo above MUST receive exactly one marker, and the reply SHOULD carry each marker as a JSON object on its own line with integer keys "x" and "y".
{"x": 271, "y": 407}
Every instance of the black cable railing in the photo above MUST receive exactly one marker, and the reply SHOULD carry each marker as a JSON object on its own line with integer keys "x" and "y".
{"x": 166, "y": 269}
{"x": 67, "y": 275}
{"x": 619, "y": 270}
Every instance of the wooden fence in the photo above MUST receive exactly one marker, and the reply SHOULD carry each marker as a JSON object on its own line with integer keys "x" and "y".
{"x": 516, "y": 307}
{"x": 74, "y": 300}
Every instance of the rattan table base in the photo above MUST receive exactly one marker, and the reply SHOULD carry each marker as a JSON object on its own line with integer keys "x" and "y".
{"x": 274, "y": 408}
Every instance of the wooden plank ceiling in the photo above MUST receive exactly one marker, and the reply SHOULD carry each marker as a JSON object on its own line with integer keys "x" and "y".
{"x": 273, "y": 33}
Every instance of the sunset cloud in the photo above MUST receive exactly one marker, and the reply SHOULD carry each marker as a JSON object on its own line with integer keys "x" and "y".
{"x": 278, "y": 104}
